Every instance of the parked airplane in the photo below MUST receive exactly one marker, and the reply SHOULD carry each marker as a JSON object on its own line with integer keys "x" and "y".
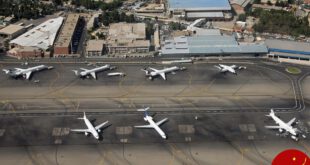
{"x": 151, "y": 72}
{"x": 282, "y": 126}
{"x": 90, "y": 128}
{"x": 231, "y": 69}
{"x": 92, "y": 72}
{"x": 152, "y": 124}
{"x": 26, "y": 73}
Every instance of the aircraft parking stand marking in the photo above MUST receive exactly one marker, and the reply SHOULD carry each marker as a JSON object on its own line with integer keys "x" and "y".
{"x": 60, "y": 132}
{"x": 125, "y": 130}
{"x": 186, "y": 129}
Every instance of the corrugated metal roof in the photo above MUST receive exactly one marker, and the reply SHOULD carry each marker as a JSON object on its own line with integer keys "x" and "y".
{"x": 194, "y": 5}
{"x": 210, "y": 45}
{"x": 204, "y": 15}
{"x": 41, "y": 36}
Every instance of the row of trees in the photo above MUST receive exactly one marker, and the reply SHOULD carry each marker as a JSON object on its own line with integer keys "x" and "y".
{"x": 95, "y": 5}
{"x": 282, "y": 22}
{"x": 25, "y": 8}
{"x": 114, "y": 16}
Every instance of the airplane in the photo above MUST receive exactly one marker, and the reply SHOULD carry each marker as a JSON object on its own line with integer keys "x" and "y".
{"x": 92, "y": 72}
{"x": 90, "y": 128}
{"x": 282, "y": 126}
{"x": 151, "y": 72}
{"x": 231, "y": 69}
{"x": 152, "y": 124}
{"x": 26, "y": 73}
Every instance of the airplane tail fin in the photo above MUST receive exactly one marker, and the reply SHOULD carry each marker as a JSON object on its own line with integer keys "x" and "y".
{"x": 76, "y": 72}
{"x": 82, "y": 118}
{"x": 271, "y": 113}
{"x": 146, "y": 71}
{"x": 6, "y": 71}
{"x": 144, "y": 110}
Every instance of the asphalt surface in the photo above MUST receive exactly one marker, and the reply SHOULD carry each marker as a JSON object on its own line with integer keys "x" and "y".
{"x": 210, "y": 115}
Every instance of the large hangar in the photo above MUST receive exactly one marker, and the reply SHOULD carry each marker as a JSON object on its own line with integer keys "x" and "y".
{"x": 193, "y": 9}
{"x": 210, "y": 45}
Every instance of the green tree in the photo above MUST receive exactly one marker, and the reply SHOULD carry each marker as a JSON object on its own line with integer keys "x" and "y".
{"x": 242, "y": 17}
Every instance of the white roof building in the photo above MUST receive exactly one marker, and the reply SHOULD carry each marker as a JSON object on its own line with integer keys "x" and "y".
{"x": 41, "y": 36}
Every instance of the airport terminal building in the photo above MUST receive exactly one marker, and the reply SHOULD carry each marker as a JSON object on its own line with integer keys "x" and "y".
{"x": 210, "y": 45}
{"x": 193, "y": 9}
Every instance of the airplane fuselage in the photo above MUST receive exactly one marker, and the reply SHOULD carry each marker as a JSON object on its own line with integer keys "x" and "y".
{"x": 149, "y": 119}
{"x": 282, "y": 124}
{"x": 166, "y": 70}
{"x": 91, "y": 128}
{"x": 23, "y": 72}
{"x": 95, "y": 70}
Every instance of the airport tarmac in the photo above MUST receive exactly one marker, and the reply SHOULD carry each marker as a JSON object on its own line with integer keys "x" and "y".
{"x": 213, "y": 118}
{"x": 200, "y": 86}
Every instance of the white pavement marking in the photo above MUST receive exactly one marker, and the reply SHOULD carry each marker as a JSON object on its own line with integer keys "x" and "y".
{"x": 251, "y": 128}
{"x": 60, "y": 131}
{"x": 123, "y": 130}
{"x": 2, "y": 132}
{"x": 243, "y": 127}
{"x": 186, "y": 129}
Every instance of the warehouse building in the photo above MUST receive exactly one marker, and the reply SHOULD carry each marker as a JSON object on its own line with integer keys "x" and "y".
{"x": 69, "y": 37}
{"x": 37, "y": 41}
{"x": 210, "y": 45}
{"x": 193, "y": 9}
{"x": 95, "y": 48}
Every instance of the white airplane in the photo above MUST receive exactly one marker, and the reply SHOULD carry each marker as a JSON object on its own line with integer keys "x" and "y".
{"x": 90, "y": 128}
{"x": 92, "y": 72}
{"x": 26, "y": 73}
{"x": 282, "y": 126}
{"x": 231, "y": 69}
{"x": 151, "y": 72}
{"x": 152, "y": 124}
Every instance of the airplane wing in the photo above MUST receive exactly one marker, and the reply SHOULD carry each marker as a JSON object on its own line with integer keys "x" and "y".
{"x": 28, "y": 75}
{"x": 79, "y": 130}
{"x": 94, "y": 75}
{"x": 101, "y": 125}
{"x": 162, "y": 121}
{"x": 291, "y": 121}
{"x": 155, "y": 70}
{"x": 273, "y": 127}
{"x": 19, "y": 69}
{"x": 144, "y": 126}
{"x": 163, "y": 75}
{"x": 233, "y": 66}
{"x": 218, "y": 67}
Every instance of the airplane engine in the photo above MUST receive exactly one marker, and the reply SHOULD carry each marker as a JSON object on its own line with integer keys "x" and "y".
{"x": 145, "y": 119}
{"x": 294, "y": 138}
{"x": 86, "y": 133}
{"x": 280, "y": 130}
{"x": 98, "y": 130}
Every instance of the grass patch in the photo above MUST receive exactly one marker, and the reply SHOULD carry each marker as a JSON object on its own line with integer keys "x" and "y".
{"x": 293, "y": 70}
